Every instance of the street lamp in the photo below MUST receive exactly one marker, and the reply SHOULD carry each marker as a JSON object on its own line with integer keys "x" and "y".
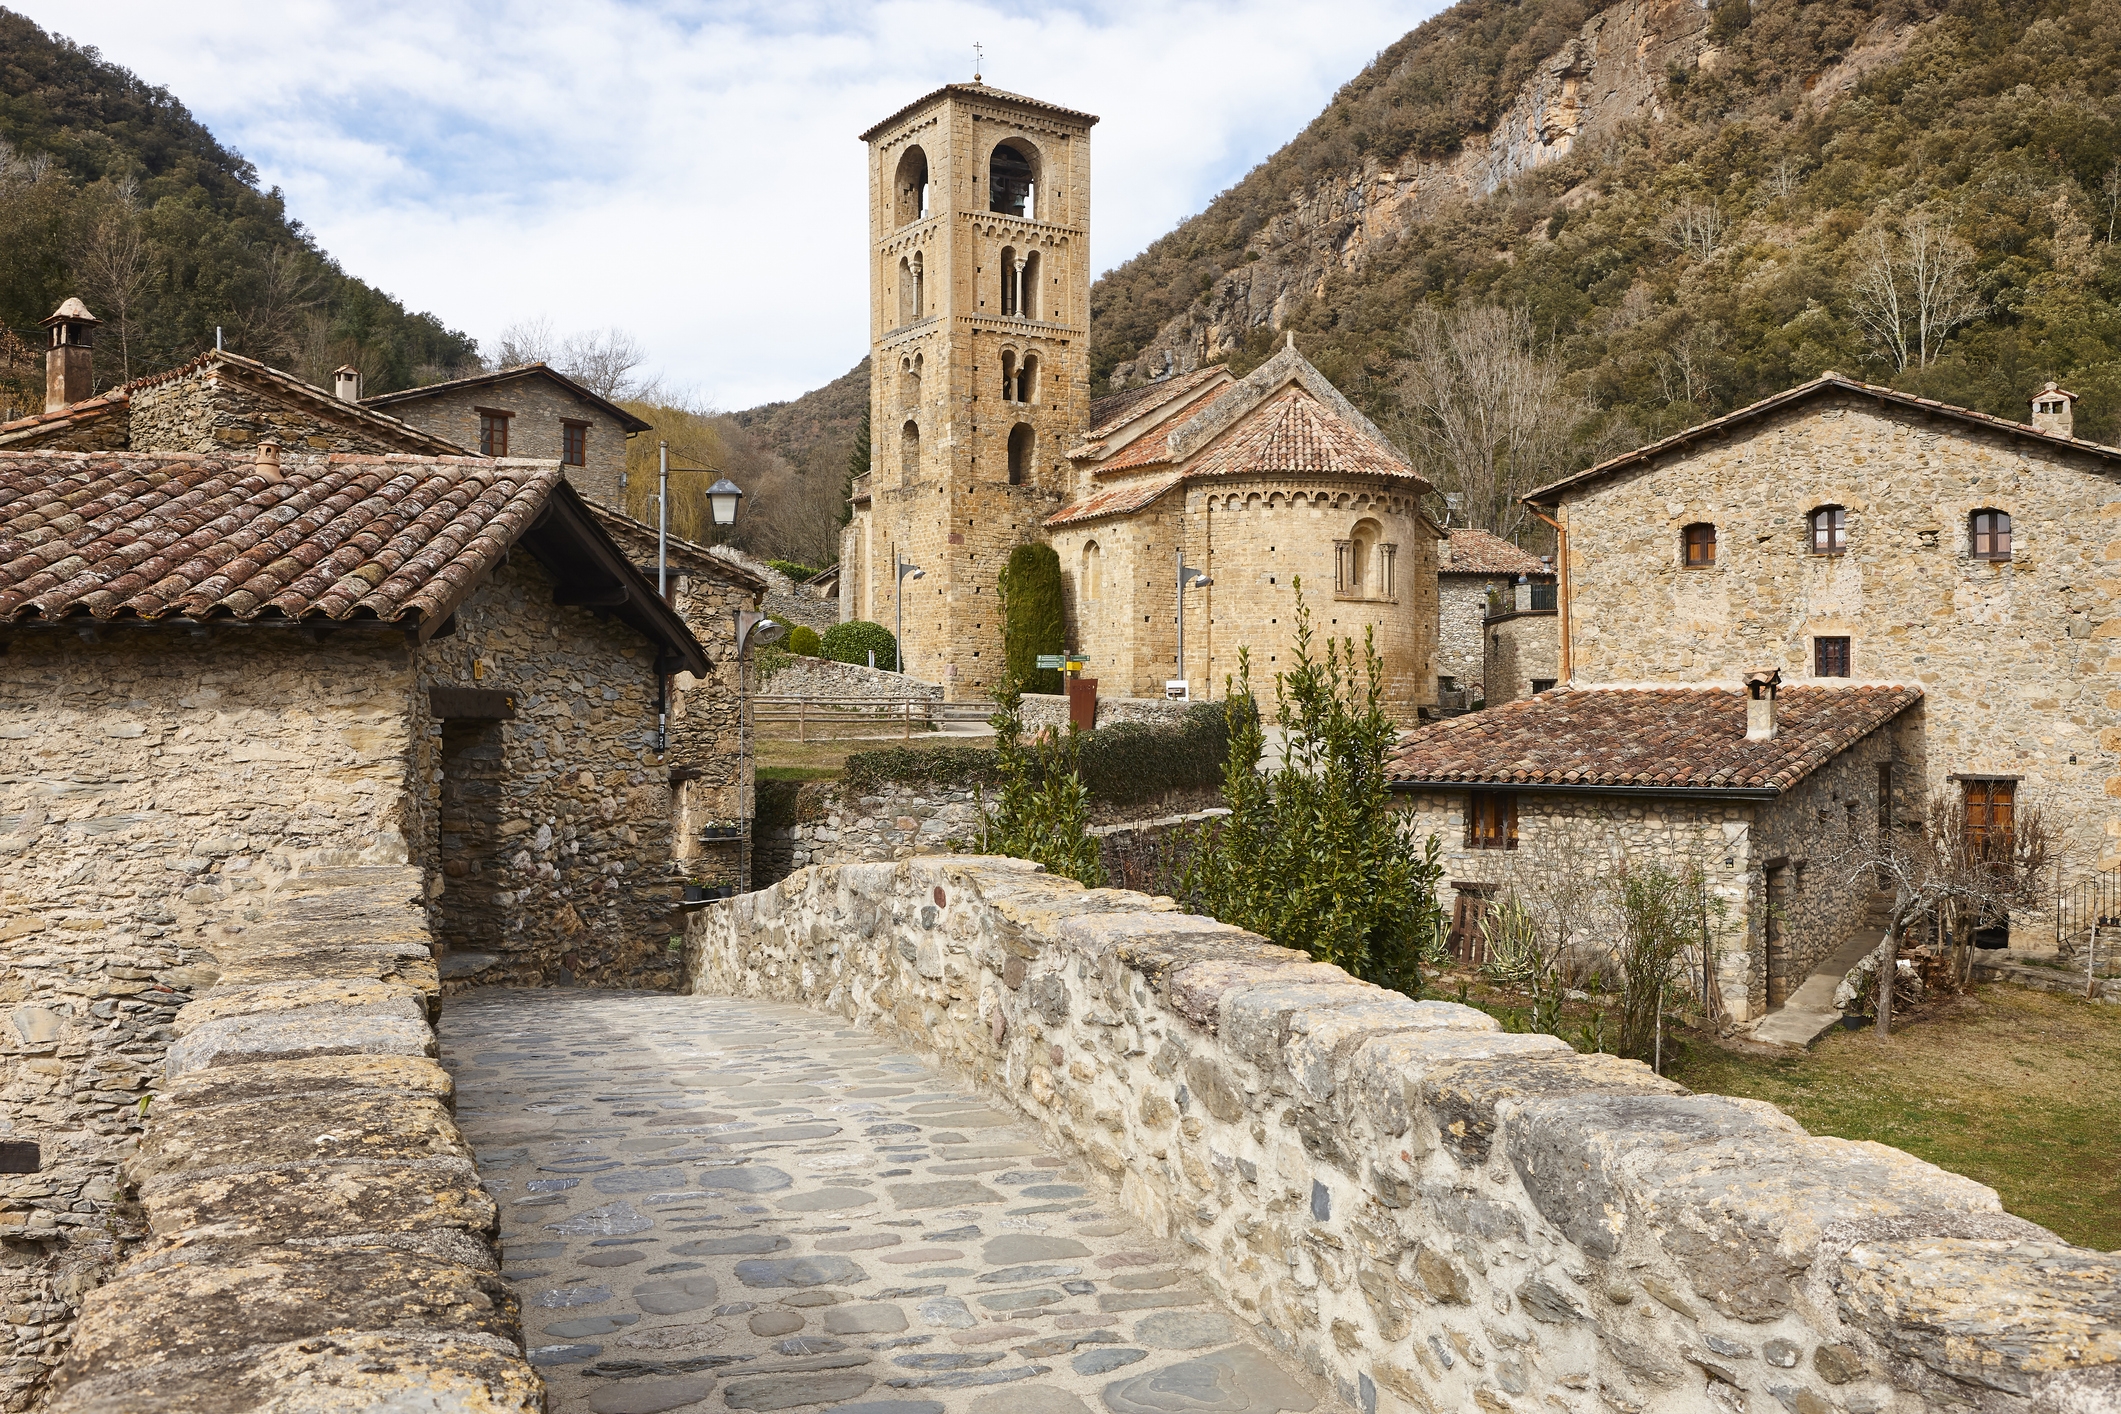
{"x": 722, "y": 498}
{"x": 753, "y": 630}
{"x": 905, "y": 572}
{"x": 1188, "y": 578}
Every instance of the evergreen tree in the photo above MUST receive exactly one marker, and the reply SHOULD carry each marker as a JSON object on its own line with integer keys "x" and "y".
{"x": 1034, "y": 616}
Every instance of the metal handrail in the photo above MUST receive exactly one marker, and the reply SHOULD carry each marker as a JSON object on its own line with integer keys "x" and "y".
{"x": 2081, "y": 911}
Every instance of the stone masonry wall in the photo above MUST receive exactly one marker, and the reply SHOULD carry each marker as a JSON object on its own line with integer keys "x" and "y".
{"x": 315, "y": 1234}
{"x": 541, "y": 408}
{"x": 153, "y": 788}
{"x": 206, "y": 412}
{"x": 579, "y": 859}
{"x": 822, "y": 677}
{"x": 1461, "y": 646}
{"x": 1523, "y": 647}
{"x": 1433, "y": 1214}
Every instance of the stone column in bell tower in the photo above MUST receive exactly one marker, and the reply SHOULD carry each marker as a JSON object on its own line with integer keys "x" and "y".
{"x": 979, "y": 341}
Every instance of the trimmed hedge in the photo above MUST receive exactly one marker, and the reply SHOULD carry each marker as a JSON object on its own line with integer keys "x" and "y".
{"x": 1034, "y": 617}
{"x": 803, "y": 641}
{"x": 794, "y": 569}
{"x": 1120, "y": 764}
{"x": 852, "y": 641}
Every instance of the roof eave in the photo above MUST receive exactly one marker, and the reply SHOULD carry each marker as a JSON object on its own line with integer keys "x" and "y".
{"x": 1408, "y": 787}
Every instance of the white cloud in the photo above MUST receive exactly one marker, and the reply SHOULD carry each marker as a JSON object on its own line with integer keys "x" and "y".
{"x": 689, "y": 171}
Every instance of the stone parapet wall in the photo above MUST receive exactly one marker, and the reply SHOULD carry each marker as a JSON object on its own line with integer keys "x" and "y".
{"x": 1433, "y": 1214}
{"x": 1049, "y": 709}
{"x": 822, "y": 677}
{"x": 316, "y": 1236}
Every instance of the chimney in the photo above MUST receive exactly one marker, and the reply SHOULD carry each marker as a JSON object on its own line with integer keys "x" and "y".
{"x": 269, "y": 461}
{"x": 1760, "y": 704}
{"x": 2051, "y": 410}
{"x": 348, "y": 379}
{"x": 69, "y": 363}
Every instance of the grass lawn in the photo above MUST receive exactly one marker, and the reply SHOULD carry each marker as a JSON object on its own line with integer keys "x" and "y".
{"x": 2016, "y": 1089}
{"x": 821, "y": 760}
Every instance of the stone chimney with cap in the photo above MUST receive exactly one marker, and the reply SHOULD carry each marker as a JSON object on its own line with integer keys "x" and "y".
{"x": 2051, "y": 410}
{"x": 348, "y": 381}
{"x": 70, "y": 361}
{"x": 1760, "y": 704}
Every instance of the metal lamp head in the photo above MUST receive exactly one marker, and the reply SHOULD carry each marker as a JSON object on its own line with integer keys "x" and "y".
{"x": 755, "y": 630}
{"x": 911, "y": 572}
{"x": 722, "y": 498}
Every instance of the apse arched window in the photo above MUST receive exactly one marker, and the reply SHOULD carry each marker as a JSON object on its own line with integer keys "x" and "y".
{"x": 1992, "y": 535}
{"x": 912, "y": 186}
{"x": 1830, "y": 534}
{"x": 1358, "y": 561}
{"x": 905, "y": 292}
{"x": 1698, "y": 546}
{"x": 909, "y": 452}
{"x": 1093, "y": 572}
{"x": 1022, "y": 443}
{"x": 1008, "y": 375}
{"x": 1027, "y": 303}
{"x": 1012, "y": 180}
{"x": 1027, "y": 380}
{"x": 1012, "y": 273}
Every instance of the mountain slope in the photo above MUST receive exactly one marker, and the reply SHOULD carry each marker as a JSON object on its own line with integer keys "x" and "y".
{"x": 110, "y": 190}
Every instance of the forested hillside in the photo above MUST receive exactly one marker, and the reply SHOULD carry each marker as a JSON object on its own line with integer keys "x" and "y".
{"x": 111, "y": 191}
{"x": 1537, "y": 231}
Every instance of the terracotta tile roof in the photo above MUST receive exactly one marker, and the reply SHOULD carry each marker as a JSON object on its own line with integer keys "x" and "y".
{"x": 637, "y": 538}
{"x": 44, "y": 424}
{"x": 1109, "y": 412}
{"x": 1826, "y": 383}
{"x": 521, "y": 370}
{"x": 1675, "y": 738}
{"x": 1471, "y": 551}
{"x": 1293, "y": 431}
{"x": 1153, "y": 448}
{"x": 977, "y": 90}
{"x": 154, "y": 535}
{"x": 1118, "y": 501}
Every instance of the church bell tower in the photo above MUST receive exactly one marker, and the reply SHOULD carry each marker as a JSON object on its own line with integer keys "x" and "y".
{"x": 979, "y": 341}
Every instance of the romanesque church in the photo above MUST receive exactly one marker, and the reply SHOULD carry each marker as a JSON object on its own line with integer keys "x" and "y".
{"x": 1186, "y": 512}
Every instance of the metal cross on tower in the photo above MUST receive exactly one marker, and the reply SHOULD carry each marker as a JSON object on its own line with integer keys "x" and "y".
{"x": 979, "y": 56}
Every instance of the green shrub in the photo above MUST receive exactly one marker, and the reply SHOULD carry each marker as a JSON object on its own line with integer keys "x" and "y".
{"x": 1034, "y": 617}
{"x": 767, "y": 661}
{"x": 1132, "y": 761}
{"x": 803, "y": 641}
{"x": 1041, "y": 808}
{"x": 961, "y": 766}
{"x": 794, "y": 570}
{"x": 853, "y": 641}
{"x": 1312, "y": 855}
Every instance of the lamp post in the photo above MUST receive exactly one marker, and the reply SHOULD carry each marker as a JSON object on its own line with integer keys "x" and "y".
{"x": 753, "y": 630}
{"x": 722, "y": 498}
{"x": 905, "y": 572}
{"x": 1188, "y": 578}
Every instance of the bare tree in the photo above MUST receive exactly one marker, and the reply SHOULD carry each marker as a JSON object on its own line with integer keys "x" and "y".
{"x": 283, "y": 290}
{"x": 1685, "y": 370}
{"x": 1485, "y": 413}
{"x": 604, "y": 361}
{"x": 1694, "y": 228}
{"x": 113, "y": 267}
{"x": 1955, "y": 872}
{"x": 527, "y": 341}
{"x": 1783, "y": 180}
{"x": 2110, "y": 193}
{"x": 1911, "y": 290}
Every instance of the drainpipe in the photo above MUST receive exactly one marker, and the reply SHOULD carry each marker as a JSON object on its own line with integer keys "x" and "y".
{"x": 1561, "y": 562}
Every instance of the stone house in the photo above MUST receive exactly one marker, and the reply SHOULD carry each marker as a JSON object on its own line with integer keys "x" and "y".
{"x": 233, "y": 679}
{"x": 530, "y": 410}
{"x": 1478, "y": 575}
{"x": 712, "y": 781}
{"x": 1578, "y": 782}
{"x": 217, "y": 402}
{"x": 1847, "y": 536}
{"x": 986, "y": 439}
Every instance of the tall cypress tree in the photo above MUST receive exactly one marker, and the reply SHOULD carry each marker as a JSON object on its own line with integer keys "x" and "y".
{"x": 1034, "y": 617}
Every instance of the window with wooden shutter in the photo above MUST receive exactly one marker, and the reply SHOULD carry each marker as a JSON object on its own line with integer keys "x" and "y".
{"x": 1991, "y": 808}
{"x": 1830, "y": 657}
{"x": 1491, "y": 819}
{"x": 574, "y": 443}
{"x": 493, "y": 432}
{"x": 1699, "y": 546}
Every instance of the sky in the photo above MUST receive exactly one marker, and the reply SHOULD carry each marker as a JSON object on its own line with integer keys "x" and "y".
{"x": 689, "y": 171}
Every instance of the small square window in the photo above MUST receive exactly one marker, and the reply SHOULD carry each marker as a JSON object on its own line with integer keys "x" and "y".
{"x": 1491, "y": 819}
{"x": 1830, "y": 657}
{"x": 1543, "y": 684}
{"x": 574, "y": 443}
{"x": 1992, "y": 535}
{"x": 1830, "y": 534}
{"x": 1700, "y": 543}
{"x": 493, "y": 433}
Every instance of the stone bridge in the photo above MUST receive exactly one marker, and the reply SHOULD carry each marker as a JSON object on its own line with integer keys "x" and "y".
{"x": 950, "y": 1135}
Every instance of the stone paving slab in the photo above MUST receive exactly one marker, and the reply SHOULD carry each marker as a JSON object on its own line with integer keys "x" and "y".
{"x": 719, "y": 1204}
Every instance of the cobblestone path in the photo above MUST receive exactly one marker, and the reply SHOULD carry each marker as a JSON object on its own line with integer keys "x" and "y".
{"x": 712, "y": 1204}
